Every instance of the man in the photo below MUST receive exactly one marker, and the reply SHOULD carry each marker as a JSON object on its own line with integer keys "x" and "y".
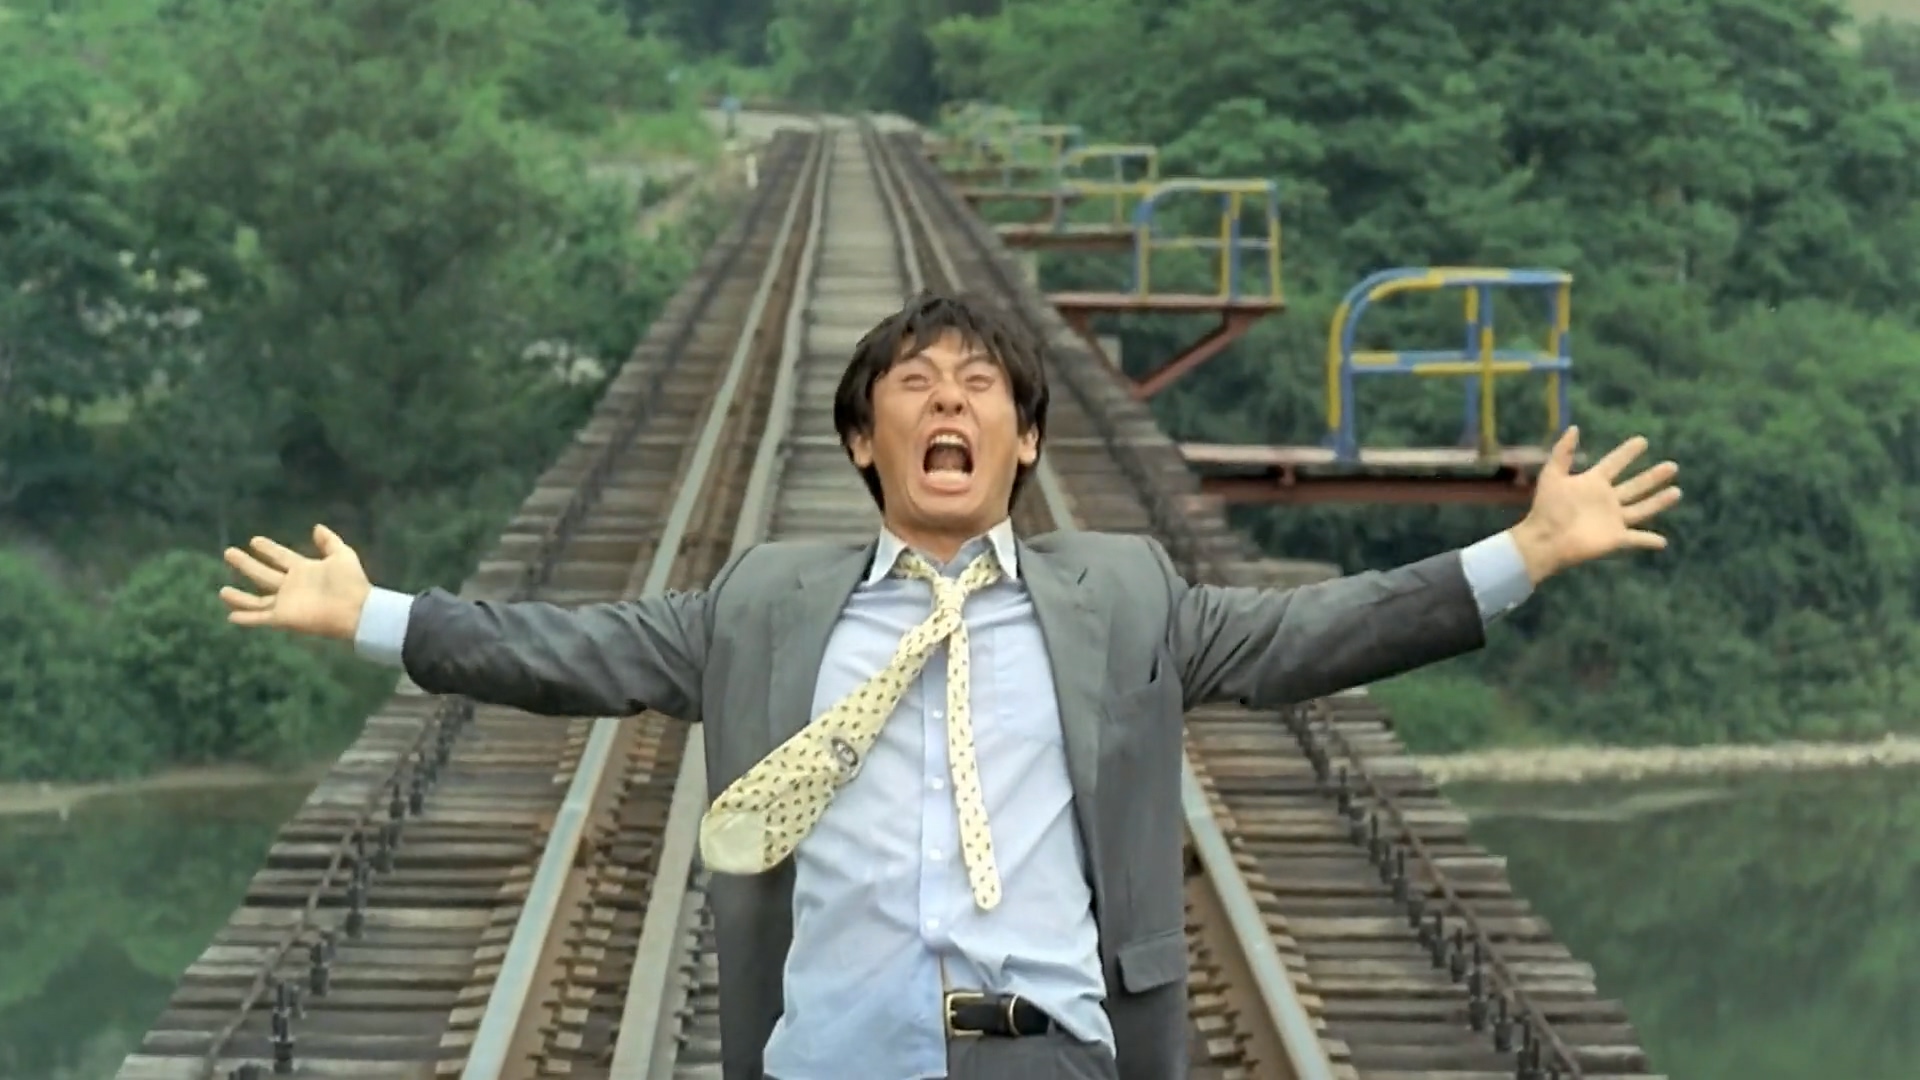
{"x": 969, "y": 863}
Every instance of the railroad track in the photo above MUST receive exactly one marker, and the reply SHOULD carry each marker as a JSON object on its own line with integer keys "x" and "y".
{"x": 529, "y": 901}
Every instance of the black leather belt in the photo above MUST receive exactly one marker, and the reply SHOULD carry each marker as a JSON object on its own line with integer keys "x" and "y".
{"x": 970, "y": 1015}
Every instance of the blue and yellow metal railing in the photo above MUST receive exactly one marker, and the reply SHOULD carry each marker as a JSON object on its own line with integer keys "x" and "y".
{"x": 1132, "y": 172}
{"x": 1229, "y": 240}
{"x": 1480, "y": 360}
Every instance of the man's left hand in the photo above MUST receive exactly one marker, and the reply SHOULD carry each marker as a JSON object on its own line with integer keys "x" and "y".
{"x": 1579, "y": 517}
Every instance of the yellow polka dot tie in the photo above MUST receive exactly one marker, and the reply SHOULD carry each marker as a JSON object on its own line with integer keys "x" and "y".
{"x": 764, "y": 815}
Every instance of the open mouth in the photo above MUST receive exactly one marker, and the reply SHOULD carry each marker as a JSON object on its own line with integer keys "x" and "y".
{"x": 948, "y": 462}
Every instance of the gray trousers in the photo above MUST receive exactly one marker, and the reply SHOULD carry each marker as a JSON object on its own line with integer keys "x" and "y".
{"x": 1053, "y": 1056}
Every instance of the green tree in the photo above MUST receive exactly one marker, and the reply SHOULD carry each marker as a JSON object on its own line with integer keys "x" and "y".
{"x": 64, "y": 288}
{"x": 58, "y": 719}
{"x": 401, "y": 237}
{"x": 205, "y": 691}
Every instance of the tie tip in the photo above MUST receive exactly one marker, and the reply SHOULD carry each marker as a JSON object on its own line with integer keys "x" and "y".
{"x": 733, "y": 844}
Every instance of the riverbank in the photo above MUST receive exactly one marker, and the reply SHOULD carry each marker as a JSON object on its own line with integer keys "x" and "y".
{"x": 62, "y": 799}
{"x": 1568, "y": 764}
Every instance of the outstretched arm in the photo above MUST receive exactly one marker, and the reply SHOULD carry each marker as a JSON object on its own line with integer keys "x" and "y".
{"x": 600, "y": 660}
{"x": 612, "y": 659}
{"x": 1269, "y": 647}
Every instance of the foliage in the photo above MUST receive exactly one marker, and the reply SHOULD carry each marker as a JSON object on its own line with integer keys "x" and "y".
{"x": 62, "y": 230}
{"x": 206, "y": 691}
{"x": 56, "y": 717}
{"x": 243, "y": 246}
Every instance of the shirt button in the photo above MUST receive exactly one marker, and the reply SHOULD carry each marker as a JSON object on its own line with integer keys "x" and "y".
{"x": 936, "y": 783}
{"x": 933, "y": 924}
{"x": 933, "y": 854}
{"x": 939, "y": 714}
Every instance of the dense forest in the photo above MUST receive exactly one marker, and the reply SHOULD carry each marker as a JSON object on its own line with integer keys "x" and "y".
{"x": 369, "y": 261}
{"x": 263, "y": 264}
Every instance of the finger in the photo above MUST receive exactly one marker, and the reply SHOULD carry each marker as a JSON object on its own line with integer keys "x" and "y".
{"x": 1561, "y": 459}
{"x": 240, "y": 600}
{"x": 276, "y": 556}
{"x": 1645, "y": 484}
{"x": 327, "y": 541}
{"x": 254, "y": 570}
{"x": 1642, "y": 540}
{"x": 1646, "y": 509}
{"x": 1620, "y": 457}
{"x": 250, "y": 618}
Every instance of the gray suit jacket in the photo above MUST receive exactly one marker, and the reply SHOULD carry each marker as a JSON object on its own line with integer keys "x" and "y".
{"x": 1133, "y": 646}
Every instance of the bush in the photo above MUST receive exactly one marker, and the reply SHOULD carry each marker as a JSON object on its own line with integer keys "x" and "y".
{"x": 209, "y": 691}
{"x": 59, "y": 720}
{"x": 1439, "y": 711}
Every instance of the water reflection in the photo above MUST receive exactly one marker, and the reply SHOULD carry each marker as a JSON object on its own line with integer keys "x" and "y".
{"x": 1757, "y": 929}
{"x": 100, "y": 913}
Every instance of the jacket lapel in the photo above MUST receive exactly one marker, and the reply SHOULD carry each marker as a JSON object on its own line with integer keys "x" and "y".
{"x": 1076, "y": 639}
{"x": 803, "y": 622}
{"x": 1070, "y": 623}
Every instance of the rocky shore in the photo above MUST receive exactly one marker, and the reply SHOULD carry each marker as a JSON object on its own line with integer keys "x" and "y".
{"x": 1563, "y": 764}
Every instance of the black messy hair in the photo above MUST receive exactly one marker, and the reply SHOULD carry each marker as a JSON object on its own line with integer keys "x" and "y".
{"x": 925, "y": 319}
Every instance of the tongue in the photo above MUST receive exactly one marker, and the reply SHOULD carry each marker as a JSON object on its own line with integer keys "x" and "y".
{"x": 946, "y": 457}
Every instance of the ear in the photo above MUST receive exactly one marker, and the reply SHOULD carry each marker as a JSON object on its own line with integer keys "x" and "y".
{"x": 860, "y": 449}
{"x": 1030, "y": 446}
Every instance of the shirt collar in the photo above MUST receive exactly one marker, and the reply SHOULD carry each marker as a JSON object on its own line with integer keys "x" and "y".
{"x": 1000, "y": 537}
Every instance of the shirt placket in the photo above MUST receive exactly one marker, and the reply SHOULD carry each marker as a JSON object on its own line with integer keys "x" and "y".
{"x": 939, "y": 827}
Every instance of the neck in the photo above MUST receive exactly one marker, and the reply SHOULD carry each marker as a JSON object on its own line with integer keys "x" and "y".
{"x": 937, "y": 543}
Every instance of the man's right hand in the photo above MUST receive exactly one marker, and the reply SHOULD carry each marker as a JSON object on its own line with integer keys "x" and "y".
{"x": 320, "y": 596}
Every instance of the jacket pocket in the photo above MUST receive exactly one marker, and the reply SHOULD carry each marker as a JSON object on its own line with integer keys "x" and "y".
{"x": 1153, "y": 961}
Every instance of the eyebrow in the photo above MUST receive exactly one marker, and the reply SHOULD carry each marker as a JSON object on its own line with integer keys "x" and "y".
{"x": 973, "y": 357}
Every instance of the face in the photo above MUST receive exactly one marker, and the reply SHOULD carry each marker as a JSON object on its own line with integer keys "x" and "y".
{"x": 946, "y": 440}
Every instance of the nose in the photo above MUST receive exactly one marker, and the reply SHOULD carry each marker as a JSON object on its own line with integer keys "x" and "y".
{"x": 947, "y": 400}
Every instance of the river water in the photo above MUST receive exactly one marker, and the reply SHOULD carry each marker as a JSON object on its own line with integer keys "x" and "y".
{"x": 1757, "y": 928}
{"x": 100, "y": 913}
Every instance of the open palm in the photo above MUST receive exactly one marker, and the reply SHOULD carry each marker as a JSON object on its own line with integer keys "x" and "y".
{"x": 1579, "y": 517}
{"x": 320, "y": 596}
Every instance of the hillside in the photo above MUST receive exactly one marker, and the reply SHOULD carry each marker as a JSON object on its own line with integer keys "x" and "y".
{"x": 364, "y": 262}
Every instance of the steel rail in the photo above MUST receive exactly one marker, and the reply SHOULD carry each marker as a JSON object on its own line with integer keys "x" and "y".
{"x": 648, "y": 1043}
{"x": 1306, "y": 1053}
{"x": 487, "y": 1057}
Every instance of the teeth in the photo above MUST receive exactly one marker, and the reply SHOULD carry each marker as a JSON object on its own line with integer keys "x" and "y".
{"x": 949, "y": 440}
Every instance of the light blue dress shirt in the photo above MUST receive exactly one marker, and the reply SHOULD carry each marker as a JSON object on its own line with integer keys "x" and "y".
{"x": 884, "y": 919}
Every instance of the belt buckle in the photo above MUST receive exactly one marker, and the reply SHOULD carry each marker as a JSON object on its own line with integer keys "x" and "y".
{"x": 956, "y": 998}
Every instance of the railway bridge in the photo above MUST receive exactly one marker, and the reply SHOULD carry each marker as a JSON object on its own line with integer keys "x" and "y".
{"x": 471, "y": 892}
